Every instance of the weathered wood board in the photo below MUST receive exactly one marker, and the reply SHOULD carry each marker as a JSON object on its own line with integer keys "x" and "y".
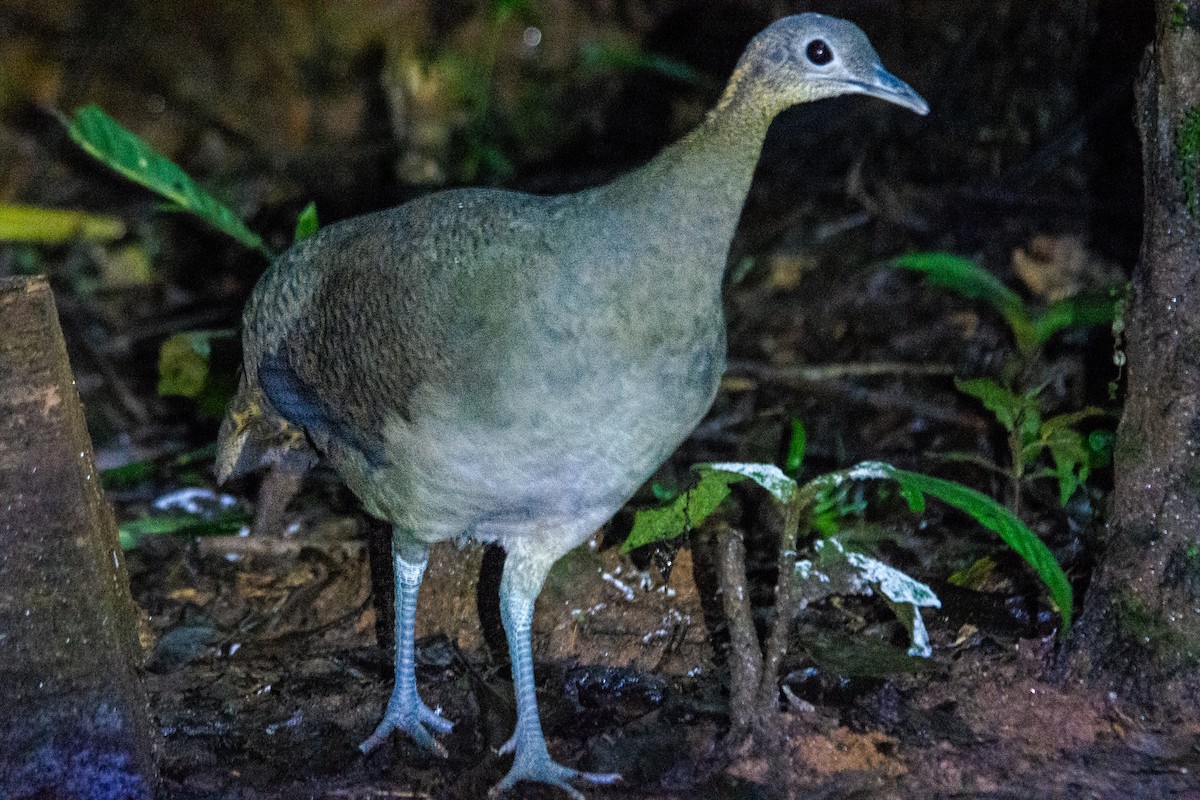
{"x": 74, "y": 723}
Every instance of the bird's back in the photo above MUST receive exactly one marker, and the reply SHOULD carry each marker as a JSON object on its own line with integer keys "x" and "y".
{"x": 486, "y": 363}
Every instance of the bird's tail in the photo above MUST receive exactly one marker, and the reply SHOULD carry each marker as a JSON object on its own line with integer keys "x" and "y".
{"x": 253, "y": 435}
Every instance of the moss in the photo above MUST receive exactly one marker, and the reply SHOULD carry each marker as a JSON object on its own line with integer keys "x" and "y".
{"x": 1192, "y": 478}
{"x": 1177, "y": 17}
{"x": 1122, "y": 297}
{"x": 1184, "y": 15}
{"x": 1154, "y": 635}
{"x": 1129, "y": 446}
{"x": 1187, "y": 152}
{"x": 1182, "y": 570}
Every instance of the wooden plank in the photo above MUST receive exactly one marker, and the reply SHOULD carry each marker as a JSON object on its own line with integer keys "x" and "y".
{"x": 74, "y": 721}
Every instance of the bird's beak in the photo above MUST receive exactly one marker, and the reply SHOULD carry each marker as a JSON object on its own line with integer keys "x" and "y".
{"x": 887, "y": 86}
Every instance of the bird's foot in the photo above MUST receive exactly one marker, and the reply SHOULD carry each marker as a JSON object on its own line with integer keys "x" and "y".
{"x": 534, "y": 764}
{"x": 410, "y": 715}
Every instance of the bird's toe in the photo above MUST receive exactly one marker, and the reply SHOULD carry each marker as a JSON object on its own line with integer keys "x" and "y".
{"x": 434, "y": 719}
{"x": 414, "y": 725}
{"x": 540, "y": 768}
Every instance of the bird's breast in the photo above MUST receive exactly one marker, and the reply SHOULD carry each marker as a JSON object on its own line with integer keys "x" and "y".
{"x": 566, "y": 436}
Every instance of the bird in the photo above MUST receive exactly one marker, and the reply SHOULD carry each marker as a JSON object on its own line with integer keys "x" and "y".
{"x": 510, "y": 368}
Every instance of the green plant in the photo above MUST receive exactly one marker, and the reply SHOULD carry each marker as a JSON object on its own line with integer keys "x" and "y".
{"x": 1031, "y": 328}
{"x": 1187, "y": 152}
{"x": 1034, "y": 443}
{"x": 135, "y": 473}
{"x": 821, "y": 504}
{"x": 306, "y": 223}
{"x": 120, "y": 149}
{"x": 134, "y": 533}
{"x": 823, "y": 498}
{"x": 1039, "y": 448}
{"x": 199, "y": 365}
{"x": 197, "y": 513}
{"x": 1177, "y": 16}
{"x": 202, "y": 366}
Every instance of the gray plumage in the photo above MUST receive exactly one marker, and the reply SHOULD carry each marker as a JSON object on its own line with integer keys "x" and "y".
{"x": 509, "y": 367}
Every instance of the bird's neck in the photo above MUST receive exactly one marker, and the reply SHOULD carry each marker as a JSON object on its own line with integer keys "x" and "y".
{"x": 695, "y": 189}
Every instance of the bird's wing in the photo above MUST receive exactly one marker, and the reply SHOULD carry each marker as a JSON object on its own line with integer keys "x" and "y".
{"x": 345, "y": 331}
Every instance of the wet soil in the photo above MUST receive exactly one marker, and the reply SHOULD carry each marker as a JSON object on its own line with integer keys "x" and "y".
{"x": 267, "y": 689}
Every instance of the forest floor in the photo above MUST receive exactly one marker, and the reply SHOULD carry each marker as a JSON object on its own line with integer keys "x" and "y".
{"x": 267, "y": 676}
{"x": 263, "y": 666}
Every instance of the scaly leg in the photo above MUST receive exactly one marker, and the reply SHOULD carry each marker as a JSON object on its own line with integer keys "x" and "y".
{"x": 518, "y": 589}
{"x": 405, "y": 710}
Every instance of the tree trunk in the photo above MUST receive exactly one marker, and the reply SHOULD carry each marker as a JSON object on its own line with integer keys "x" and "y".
{"x": 1139, "y": 634}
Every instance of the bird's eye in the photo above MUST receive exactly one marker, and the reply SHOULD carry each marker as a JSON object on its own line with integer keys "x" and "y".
{"x": 819, "y": 52}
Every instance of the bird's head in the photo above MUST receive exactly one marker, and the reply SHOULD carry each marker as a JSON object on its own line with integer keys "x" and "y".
{"x": 808, "y": 57}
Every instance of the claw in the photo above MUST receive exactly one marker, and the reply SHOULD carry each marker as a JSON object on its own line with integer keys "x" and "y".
{"x": 402, "y": 716}
{"x": 537, "y": 766}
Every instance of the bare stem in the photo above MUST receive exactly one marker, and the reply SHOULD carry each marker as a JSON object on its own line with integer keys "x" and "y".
{"x": 777, "y": 640}
{"x": 745, "y": 658}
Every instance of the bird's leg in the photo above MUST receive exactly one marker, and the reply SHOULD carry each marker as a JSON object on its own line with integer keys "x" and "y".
{"x": 519, "y": 588}
{"x": 405, "y": 710}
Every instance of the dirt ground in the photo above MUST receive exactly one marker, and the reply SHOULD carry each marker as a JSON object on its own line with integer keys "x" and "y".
{"x": 266, "y": 693}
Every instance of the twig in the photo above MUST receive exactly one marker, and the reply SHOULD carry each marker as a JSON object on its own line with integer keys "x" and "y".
{"x": 162, "y": 327}
{"x": 745, "y": 657}
{"x": 808, "y": 373}
{"x": 777, "y": 641}
{"x": 858, "y": 394}
{"x": 973, "y": 459}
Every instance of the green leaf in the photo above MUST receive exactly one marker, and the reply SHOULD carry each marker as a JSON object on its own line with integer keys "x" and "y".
{"x": 683, "y": 513}
{"x": 830, "y": 498}
{"x": 964, "y": 276}
{"x": 768, "y": 476}
{"x": 109, "y": 142}
{"x": 202, "y": 366}
{"x": 794, "y": 460}
{"x": 991, "y": 515}
{"x": 134, "y": 473}
{"x": 1100, "y": 443}
{"x": 1031, "y": 420}
{"x": 1072, "y": 452}
{"x": 914, "y": 497}
{"x": 133, "y": 532}
{"x": 1007, "y": 406}
{"x": 663, "y": 493}
{"x": 1069, "y": 451}
{"x": 126, "y": 476}
{"x": 306, "y": 223}
{"x": 623, "y": 57}
{"x": 183, "y": 364}
{"x": 1072, "y": 418}
{"x": 125, "y": 266}
{"x": 1070, "y": 312}
{"x": 55, "y": 226}
{"x": 974, "y": 577}
{"x": 841, "y": 571}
